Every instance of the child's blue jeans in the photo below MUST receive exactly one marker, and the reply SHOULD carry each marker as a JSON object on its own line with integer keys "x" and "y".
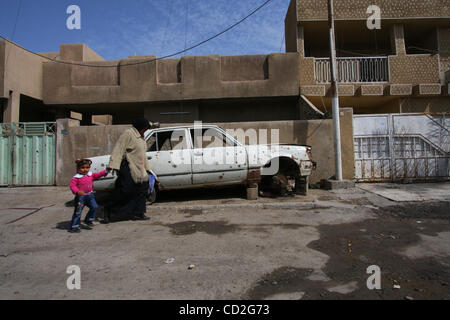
{"x": 81, "y": 202}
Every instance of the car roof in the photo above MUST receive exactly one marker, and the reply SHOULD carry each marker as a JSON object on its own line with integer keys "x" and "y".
{"x": 185, "y": 127}
{"x": 149, "y": 132}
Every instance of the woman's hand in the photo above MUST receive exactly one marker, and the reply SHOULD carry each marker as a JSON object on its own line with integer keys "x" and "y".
{"x": 81, "y": 193}
{"x": 114, "y": 171}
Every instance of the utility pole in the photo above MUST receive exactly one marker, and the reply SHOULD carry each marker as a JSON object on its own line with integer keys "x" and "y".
{"x": 335, "y": 95}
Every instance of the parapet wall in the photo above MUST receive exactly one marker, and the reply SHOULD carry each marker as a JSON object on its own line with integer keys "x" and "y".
{"x": 20, "y": 71}
{"x": 142, "y": 79}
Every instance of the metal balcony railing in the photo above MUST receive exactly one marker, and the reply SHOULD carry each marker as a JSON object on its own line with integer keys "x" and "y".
{"x": 365, "y": 69}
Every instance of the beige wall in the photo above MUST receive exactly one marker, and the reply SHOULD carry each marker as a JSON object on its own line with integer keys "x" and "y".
{"x": 74, "y": 141}
{"x": 20, "y": 74}
{"x": 87, "y": 76}
{"x": 169, "y": 71}
{"x": 414, "y": 69}
{"x": 22, "y": 71}
{"x": 244, "y": 68}
{"x": 290, "y": 28}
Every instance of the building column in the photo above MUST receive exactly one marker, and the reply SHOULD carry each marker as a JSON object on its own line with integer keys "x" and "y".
{"x": 301, "y": 41}
{"x": 11, "y": 112}
{"x": 398, "y": 39}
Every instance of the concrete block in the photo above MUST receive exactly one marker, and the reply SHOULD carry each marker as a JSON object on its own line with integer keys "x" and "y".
{"x": 302, "y": 186}
{"x": 316, "y": 91}
{"x": 429, "y": 89}
{"x": 252, "y": 193}
{"x": 372, "y": 90}
{"x": 102, "y": 120}
{"x": 346, "y": 90}
{"x": 76, "y": 115}
{"x": 400, "y": 89}
{"x": 334, "y": 184}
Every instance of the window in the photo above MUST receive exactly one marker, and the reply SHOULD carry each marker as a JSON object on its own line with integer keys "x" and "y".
{"x": 210, "y": 138}
{"x": 167, "y": 141}
{"x": 151, "y": 143}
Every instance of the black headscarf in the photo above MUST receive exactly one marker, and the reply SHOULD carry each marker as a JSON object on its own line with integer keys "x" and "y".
{"x": 141, "y": 123}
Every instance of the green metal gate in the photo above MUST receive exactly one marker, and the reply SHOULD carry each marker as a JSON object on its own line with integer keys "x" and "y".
{"x": 27, "y": 154}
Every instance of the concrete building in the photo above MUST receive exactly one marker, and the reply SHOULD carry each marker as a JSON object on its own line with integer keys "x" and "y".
{"x": 397, "y": 68}
{"x": 208, "y": 88}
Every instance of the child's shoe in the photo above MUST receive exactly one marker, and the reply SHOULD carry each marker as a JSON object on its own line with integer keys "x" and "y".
{"x": 90, "y": 224}
{"x": 86, "y": 226}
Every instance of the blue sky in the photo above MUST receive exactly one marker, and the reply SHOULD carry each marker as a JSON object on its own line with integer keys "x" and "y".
{"x": 117, "y": 28}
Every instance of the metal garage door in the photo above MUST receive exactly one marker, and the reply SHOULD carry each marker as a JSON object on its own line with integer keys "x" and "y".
{"x": 390, "y": 147}
{"x": 27, "y": 153}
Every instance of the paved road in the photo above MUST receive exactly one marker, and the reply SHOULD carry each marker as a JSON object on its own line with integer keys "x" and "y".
{"x": 315, "y": 247}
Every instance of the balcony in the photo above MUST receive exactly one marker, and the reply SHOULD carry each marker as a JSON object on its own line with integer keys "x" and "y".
{"x": 353, "y": 70}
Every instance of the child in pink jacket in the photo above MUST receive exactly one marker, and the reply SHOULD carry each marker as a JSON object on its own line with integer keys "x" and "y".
{"x": 82, "y": 187}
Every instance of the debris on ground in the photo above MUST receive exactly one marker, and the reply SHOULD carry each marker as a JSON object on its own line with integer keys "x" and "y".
{"x": 192, "y": 266}
{"x": 276, "y": 186}
{"x": 170, "y": 260}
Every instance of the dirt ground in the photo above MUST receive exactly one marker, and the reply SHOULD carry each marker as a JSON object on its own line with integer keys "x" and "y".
{"x": 213, "y": 244}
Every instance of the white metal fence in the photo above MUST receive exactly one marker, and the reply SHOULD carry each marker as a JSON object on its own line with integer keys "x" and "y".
{"x": 401, "y": 146}
{"x": 367, "y": 69}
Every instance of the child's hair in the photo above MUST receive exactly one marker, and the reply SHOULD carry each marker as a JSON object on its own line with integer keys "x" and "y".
{"x": 82, "y": 162}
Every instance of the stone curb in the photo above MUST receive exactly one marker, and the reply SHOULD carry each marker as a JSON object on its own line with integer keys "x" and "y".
{"x": 283, "y": 205}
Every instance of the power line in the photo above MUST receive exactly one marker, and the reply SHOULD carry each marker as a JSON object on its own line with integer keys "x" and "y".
{"x": 167, "y": 26}
{"x": 17, "y": 19}
{"x": 151, "y": 60}
{"x": 14, "y": 29}
{"x": 186, "y": 18}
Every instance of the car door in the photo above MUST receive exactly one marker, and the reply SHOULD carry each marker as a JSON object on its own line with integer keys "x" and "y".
{"x": 217, "y": 158}
{"x": 170, "y": 157}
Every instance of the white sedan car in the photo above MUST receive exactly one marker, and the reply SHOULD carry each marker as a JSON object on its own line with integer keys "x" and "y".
{"x": 191, "y": 157}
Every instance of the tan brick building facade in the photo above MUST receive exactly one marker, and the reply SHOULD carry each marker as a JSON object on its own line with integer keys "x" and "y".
{"x": 380, "y": 70}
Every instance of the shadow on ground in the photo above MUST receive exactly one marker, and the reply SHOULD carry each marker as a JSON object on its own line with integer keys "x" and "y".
{"x": 219, "y": 193}
{"x": 354, "y": 247}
